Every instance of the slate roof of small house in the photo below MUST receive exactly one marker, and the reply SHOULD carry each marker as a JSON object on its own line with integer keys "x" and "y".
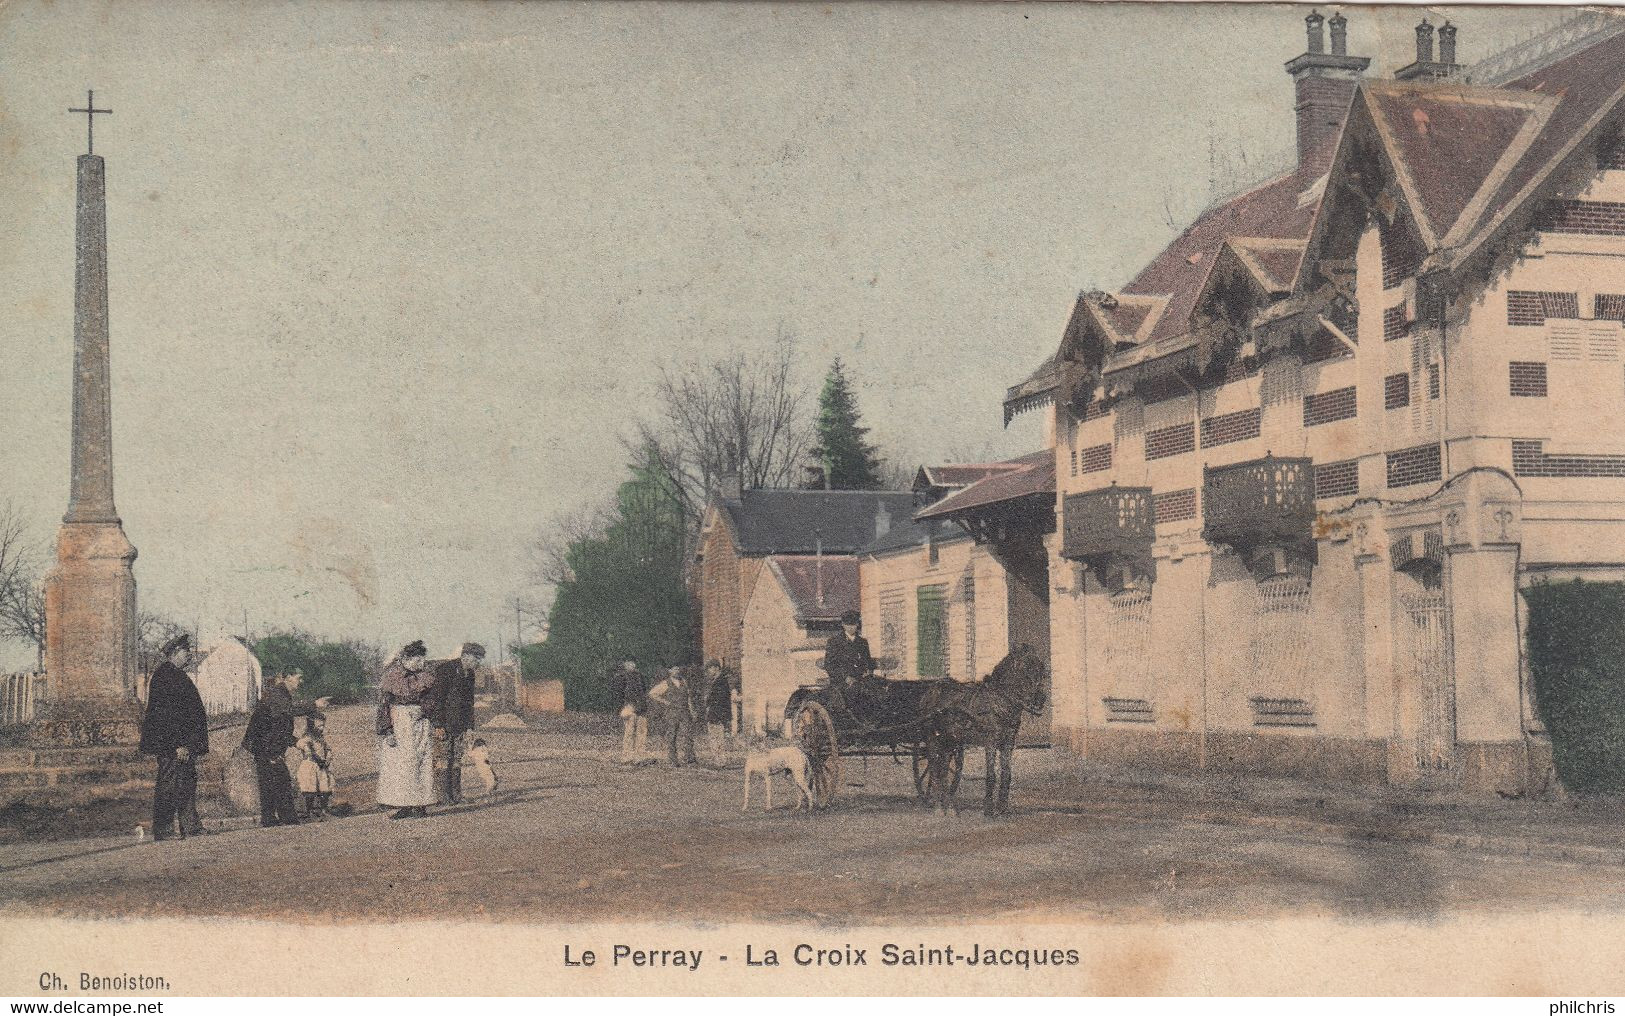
{"x": 799, "y": 575}
{"x": 1036, "y": 477}
{"x": 794, "y": 521}
{"x": 912, "y": 534}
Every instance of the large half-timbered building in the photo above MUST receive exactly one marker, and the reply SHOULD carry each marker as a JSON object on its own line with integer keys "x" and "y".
{"x": 1306, "y": 458}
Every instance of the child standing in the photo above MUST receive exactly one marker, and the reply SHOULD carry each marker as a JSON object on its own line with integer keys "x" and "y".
{"x": 479, "y": 757}
{"x": 315, "y": 776}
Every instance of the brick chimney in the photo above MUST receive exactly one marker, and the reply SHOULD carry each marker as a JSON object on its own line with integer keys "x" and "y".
{"x": 1426, "y": 68}
{"x": 1325, "y": 86}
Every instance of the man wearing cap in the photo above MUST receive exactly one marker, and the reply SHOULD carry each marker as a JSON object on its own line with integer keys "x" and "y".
{"x": 847, "y": 660}
{"x": 268, "y": 738}
{"x": 174, "y": 730}
{"x": 452, "y": 713}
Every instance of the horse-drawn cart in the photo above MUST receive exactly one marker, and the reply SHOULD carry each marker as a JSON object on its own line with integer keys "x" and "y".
{"x": 874, "y": 717}
{"x": 930, "y": 721}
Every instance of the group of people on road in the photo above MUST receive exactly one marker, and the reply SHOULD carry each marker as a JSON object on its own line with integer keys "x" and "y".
{"x": 678, "y": 700}
{"x": 425, "y": 715}
{"x": 425, "y": 712}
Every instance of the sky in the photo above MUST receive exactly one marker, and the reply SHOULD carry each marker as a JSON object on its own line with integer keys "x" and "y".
{"x": 390, "y": 281}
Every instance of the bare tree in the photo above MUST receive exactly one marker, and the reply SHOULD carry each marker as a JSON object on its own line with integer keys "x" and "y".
{"x": 743, "y": 414}
{"x": 22, "y": 595}
{"x": 152, "y": 631}
{"x": 549, "y": 553}
{"x": 895, "y": 474}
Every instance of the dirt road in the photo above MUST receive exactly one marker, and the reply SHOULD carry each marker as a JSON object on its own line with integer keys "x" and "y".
{"x": 575, "y": 836}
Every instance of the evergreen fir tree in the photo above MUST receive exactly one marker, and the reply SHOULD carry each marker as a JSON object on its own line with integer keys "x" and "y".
{"x": 841, "y": 454}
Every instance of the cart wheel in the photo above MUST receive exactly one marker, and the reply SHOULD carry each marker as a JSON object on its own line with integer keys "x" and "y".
{"x": 815, "y": 732}
{"x": 922, "y": 772}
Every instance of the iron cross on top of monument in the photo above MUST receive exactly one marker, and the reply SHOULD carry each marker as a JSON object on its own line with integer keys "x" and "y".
{"x": 90, "y": 112}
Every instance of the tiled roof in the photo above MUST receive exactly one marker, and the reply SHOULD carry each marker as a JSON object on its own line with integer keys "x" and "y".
{"x": 795, "y": 521}
{"x": 1271, "y": 211}
{"x": 1586, "y": 86}
{"x": 1447, "y": 140}
{"x": 804, "y": 576}
{"x": 1036, "y": 477}
{"x": 1467, "y": 157}
{"x": 1274, "y": 262}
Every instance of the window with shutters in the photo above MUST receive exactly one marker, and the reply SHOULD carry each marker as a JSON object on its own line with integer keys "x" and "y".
{"x": 931, "y": 632}
{"x": 893, "y": 637}
{"x": 1583, "y": 374}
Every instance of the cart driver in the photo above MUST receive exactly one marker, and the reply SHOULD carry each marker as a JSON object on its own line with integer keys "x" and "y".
{"x": 847, "y": 660}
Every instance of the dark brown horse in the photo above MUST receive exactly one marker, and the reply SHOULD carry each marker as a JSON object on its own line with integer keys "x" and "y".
{"x": 985, "y": 715}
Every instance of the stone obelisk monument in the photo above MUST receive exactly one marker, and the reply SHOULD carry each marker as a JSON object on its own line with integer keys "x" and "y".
{"x": 91, "y": 656}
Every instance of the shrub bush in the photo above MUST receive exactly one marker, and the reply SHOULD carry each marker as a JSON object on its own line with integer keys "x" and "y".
{"x": 1576, "y": 642}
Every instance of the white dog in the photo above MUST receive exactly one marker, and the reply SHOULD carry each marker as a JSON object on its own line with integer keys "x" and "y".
{"x": 769, "y": 760}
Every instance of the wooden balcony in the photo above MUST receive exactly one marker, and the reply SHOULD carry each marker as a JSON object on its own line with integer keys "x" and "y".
{"x": 1112, "y": 522}
{"x": 1263, "y": 502}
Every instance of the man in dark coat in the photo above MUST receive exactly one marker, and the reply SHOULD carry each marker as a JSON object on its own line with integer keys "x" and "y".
{"x": 452, "y": 715}
{"x": 631, "y": 687}
{"x": 268, "y": 738}
{"x": 175, "y": 731}
{"x": 847, "y": 660}
{"x": 674, "y": 697}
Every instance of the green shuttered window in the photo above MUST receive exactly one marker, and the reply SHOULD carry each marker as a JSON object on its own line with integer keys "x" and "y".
{"x": 931, "y": 647}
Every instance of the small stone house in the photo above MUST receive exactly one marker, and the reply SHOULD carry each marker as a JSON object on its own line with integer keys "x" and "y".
{"x": 743, "y": 528}
{"x": 990, "y": 535}
{"x": 795, "y": 605}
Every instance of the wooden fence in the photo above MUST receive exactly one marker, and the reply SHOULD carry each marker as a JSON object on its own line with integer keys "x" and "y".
{"x": 19, "y": 693}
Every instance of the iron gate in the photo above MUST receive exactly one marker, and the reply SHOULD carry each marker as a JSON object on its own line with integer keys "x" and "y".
{"x": 1425, "y": 649}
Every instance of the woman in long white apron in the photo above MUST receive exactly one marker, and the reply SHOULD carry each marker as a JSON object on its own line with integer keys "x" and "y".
{"x": 405, "y": 753}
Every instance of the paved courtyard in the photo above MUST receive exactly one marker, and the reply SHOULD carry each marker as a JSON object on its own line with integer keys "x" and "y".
{"x": 573, "y": 835}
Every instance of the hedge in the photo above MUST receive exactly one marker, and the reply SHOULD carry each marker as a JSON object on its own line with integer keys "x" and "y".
{"x": 1577, "y": 657}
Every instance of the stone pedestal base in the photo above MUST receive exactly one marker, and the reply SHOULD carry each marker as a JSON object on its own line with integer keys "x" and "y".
{"x": 78, "y": 750}
{"x": 67, "y": 777}
{"x": 87, "y": 723}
